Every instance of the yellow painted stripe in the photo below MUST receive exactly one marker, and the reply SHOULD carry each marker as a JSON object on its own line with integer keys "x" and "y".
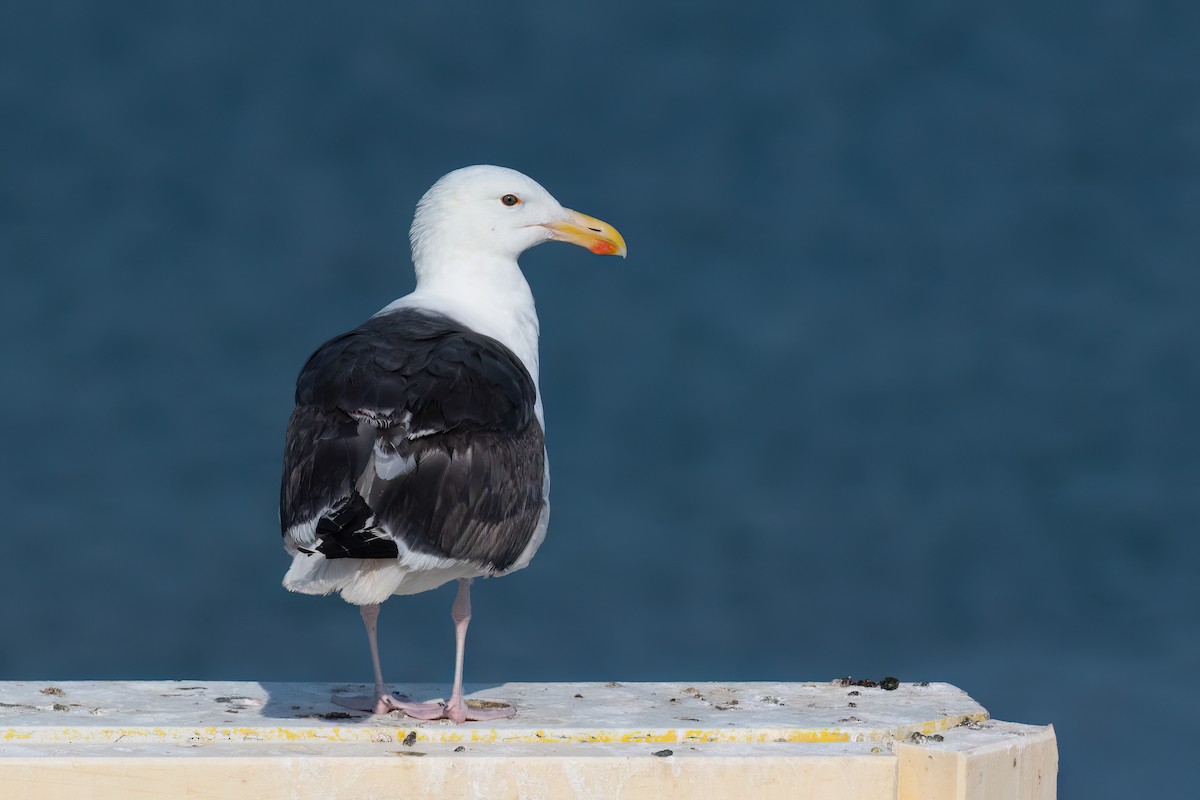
{"x": 34, "y": 734}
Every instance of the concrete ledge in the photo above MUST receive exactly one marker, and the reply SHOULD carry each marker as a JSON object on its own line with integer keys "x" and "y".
{"x": 643, "y": 740}
{"x": 987, "y": 761}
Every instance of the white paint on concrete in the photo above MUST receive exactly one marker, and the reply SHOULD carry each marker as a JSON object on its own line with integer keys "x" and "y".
{"x": 566, "y": 712}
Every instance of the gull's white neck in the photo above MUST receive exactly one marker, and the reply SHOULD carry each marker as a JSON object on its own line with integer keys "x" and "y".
{"x": 488, "y": 294}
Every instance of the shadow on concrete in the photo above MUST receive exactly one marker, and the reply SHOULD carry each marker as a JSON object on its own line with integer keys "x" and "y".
{"x": 315, "y": 700}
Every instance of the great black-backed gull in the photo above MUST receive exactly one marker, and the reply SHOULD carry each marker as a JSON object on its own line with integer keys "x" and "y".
{"x": 415, "y": 453}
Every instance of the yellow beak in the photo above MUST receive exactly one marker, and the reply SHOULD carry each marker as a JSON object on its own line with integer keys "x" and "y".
{"x": 596, "y": 235}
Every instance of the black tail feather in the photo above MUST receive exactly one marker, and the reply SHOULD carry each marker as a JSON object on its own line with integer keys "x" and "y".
{"x": 347, "y": 530}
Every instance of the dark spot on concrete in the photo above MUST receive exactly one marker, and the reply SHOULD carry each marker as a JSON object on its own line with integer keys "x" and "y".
{"x": 923, "y": 684}
{"x": 689, "y": 719}
{"x": 855, "y": 693}
{"x": 852, "y": 705}
{"x": 222, "y": 699}
{"x": 53, "y": 691}
{"x": 920, "y": 738}
{"x": 674, "y": 699}
{"x": 663, "y": 753}
{"x": 337, "y": 715}
{"x": 408, "y": 753}
{"x": 579, "y": 697}
{"x": 460, "y": 749}
{"x": 889, "y": 684}
{"x": 410, "y": 739}
{"x": 61, "y": 707}
{"x": 190, "y": 688}
{"x": 611, "y": 685}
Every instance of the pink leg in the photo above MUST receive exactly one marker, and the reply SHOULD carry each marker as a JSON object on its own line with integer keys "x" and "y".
{"x": 383, "y": 701}
{"x": 457, "y": 710}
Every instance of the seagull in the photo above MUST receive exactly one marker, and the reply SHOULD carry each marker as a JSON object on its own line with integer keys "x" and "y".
{"x": 415, "y": 454}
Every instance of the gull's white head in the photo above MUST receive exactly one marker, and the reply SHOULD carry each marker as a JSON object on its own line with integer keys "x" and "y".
{"x": 484, "y": 213}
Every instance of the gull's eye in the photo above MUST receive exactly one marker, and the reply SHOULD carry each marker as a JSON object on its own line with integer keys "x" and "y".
{"x": 510, "y": 200}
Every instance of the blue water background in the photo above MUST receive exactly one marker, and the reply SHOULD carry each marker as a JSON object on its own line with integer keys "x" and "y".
{"x": 900, "y": 377}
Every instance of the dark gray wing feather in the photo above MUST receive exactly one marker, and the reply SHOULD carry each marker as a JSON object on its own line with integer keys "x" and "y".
{"x": 454, "y": 407}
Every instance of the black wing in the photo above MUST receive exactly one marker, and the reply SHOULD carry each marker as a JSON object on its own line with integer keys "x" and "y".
{"x": 413, "y": 432}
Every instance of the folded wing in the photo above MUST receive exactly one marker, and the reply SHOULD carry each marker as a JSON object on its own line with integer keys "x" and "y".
{"x": 413, "y": 434}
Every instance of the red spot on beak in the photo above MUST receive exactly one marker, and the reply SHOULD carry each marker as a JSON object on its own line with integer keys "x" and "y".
{"x": 603, "y": 248}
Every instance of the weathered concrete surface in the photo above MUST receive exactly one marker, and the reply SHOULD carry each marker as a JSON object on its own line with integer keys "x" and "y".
{"x": 660, "y": 740}
{"x": 210, "y": 711}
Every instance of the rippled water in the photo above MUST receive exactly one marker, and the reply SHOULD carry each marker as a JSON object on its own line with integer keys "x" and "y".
{"x": 900, "y": 376}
